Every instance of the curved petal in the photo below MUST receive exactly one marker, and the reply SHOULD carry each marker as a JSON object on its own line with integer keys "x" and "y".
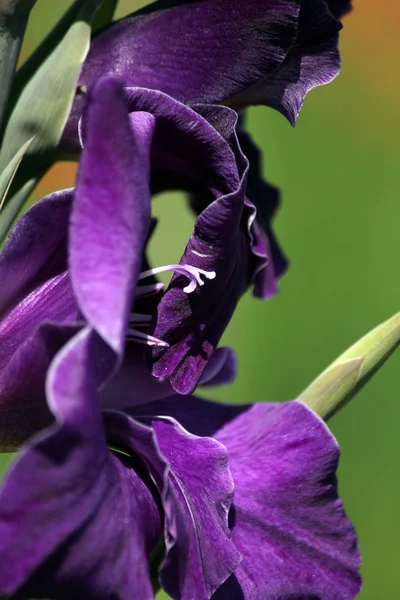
{"x": 67, "y": 497}
{"x": 266, "y": 199}
{"x": 35, "y": 290}
{"x": 35, "y": 249}
{"x": 287, "y": 514}
{"x": 193, "y": 323}
{"x": 187, "y": 151}
{"x": 339, "y": 8}
{"x": 221, "y": 370}
{"x": 312, "y": 61}
{"x": 267, "y": 261}
{"x": 287, "y": 520}
{"x": 133, "y": 383}
{"x": 23, "y": 407}
{"x": 200, "y": 554}
{"x": 50, "y": 301}
{"x": 197, "y": 489}
{"x": 111, "y": 213}
{"x": 195, "y": 50}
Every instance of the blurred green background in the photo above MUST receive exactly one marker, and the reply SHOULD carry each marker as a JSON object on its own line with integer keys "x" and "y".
{"x": 339, "y": 172}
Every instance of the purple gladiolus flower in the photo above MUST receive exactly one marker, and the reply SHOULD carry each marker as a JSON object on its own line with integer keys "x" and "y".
{"x": 244, "y": 498}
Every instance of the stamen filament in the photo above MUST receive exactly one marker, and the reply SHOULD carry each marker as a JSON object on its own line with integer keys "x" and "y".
{"x": 193, "y": 273}
{"x": 144, "y": 338}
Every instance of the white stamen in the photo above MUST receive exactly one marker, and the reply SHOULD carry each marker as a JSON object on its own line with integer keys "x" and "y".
{"x": 148, "y": 290}
{"x": 193, "y": 273}
{"x": 144, "y": 338}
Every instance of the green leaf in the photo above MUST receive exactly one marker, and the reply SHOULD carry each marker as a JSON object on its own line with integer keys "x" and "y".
{"x": 104, "y": 15}
{"x": 14, "y": 15}
{"x": 8, "y": 174}
{"x": 13, "y": 207}
{"x": 44, "y": 104}
{"x": 348, "y": 374}
{"x": 37, "y": 58}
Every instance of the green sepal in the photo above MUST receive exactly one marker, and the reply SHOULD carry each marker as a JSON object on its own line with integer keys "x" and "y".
{"x": 45, "y": 102}
{"x": 345, "y": 377}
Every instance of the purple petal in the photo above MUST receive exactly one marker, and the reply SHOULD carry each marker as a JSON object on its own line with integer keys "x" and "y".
{"x": 266, "y": 199}
{"x": 200, "y": 555}
{"x": 339, "y": 8}
{"x": 35, "y": 290}
{"x": 193, "y": 323}
{"x": 111, "y": 213}
{"x": 221, "y": 370}
{"x": 23, "y": 408}
{"x": 50, "y": 301}
{"x": 287, "y": 520}
{"x": 183, "y": 140}
{"x": 267, "y": 261}
{"x": 224, "y": 243}
{"x": 197, "y": 492}
{"x": 195, "y": 51}
{"x": 75, "y": 521}
{"x": 312, "y": 61}
{"x": 35, "y": 249}
{"x": 133, "y": 383}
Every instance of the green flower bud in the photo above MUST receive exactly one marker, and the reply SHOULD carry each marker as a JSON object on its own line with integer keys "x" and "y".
{"x": 345, "y": 377}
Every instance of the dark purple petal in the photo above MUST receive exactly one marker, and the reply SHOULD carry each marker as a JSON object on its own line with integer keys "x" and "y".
{"x": 50, "y": 301}
{"x": 221, "y": 370}
{"x": 184, "y": 140}
{"x": 75, "y": 520}
{"x": 266, "y": 199}
{"x": 193, "y": 323}
{"x": 197, "y": 491}
{"x": 111, "y": 213}
{"x": 268, "y": 262}
{"x": 225, "y": 242}
{"x": 35, "y": 250}
{"x": 23, "y": 407}
{"x": 200, "y": 555}
{"x": 35, "y": 290}
{"x": 287, "y": 520}
{"x": 313, "y": 60}
{"x": 195, "y": 50}
{"x": 133, "y": 383}
{"x": 339, "y": 8}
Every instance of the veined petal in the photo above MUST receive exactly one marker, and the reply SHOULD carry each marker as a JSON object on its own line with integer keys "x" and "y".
{"x": 197, "y": 492}
{"x": 67, "y": 497}
{"x": 195, "y": 50}
{"x": 53, "y": 300}
{"x": 287, "y": 519}
{"x": 35, "y": 250}
{"x": 111, "y": 213}
{"x": 35, "y": 291}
